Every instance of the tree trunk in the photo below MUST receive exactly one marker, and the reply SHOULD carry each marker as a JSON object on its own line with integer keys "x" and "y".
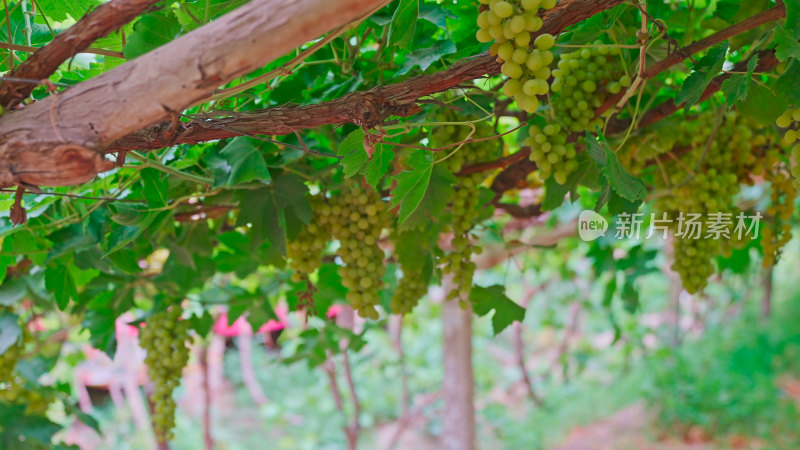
{"x": 458, "y": 417}
{"x": 58, "y": 141}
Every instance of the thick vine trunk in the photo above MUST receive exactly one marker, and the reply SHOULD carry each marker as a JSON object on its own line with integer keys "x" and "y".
{"x": 458, "y": 417}
{"x": 59, "y": 141}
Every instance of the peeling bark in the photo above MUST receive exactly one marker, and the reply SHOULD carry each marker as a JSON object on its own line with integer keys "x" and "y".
{"x": 104, "y": 20}
{"x": 144, "y": 91}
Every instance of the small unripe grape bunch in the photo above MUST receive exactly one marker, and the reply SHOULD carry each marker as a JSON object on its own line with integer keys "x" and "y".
{"x": 551, "y": 152}
{"x": 164, "y": 337}
{"x": 410, "y": 288}
{"x": 509, "y": 23}
{"x": 791, "y": 121}
{"x": 357, "y": 219}
{"x": 305, "y": 251}
{"x": 778, "y": 230}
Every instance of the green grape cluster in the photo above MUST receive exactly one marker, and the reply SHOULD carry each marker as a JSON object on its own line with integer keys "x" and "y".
{"x": 305, "y": 251}
{"x": 357, "y": 217}
{"x": 582, "y": 82}
{"x": 716, "y": 157}
{"x": 791, "y": 121}
{"x": 509, "y": 23}
{"x": 778, "y": 230}
{"x": 165, "y": 337}
{"x": 410, "y": 289}
{"x": 465, "y": 204}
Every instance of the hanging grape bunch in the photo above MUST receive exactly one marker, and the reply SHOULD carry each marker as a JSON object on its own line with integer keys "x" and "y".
{"x": 582, "y": 82}
{"x": 164, "y": 337}
{"x": 357, "y": 216}
{"x": 510, "y": 24}
{"x": 465, "y": 204}
{"x": 305, "y": 251}
{"x": 777, "y": 231}
{"x": 410, "y": 288}
{"x": 791, "y": 121}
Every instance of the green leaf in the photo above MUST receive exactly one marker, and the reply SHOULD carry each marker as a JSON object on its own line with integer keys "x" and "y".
{"x": 260, "y": 210}
{"x": 618, "y": 205}
{"x": 37, "y": 431}
{"x": 411, "y": 185}
{"x": 786, "y": 89}
{"x": 486, "y": 299}
{"x": 355, "y": 157}
{"x": 763, "y": 104}
{"x": 10, "y": 332}
{"x": 705, "y": 70}
{"x": 404, "y": 23}
{"x": 792, "y": 18}
{"x": 190, "y": 12}
{"x": 329, "y": 288}
{"x": 150, "y": 32}
{"x": 12, "y": 291}
{"x": 435, "y": 14}
{"x": 238, "y": 162}
{"x": 290, "y": 194}
{"x": 427, "y": 56}
{"x": 155, "y": 187}
{"x": 554, "y": 193}
{"x": 59, "y": 281}
{"x": 736, "y": 87}
{"x": 433, "y": 204}
{"x": 626, "y": 185}
{"x": 378, "y": 165}
{"x": 786, "y": 45}
{"x": 59, "y": 9}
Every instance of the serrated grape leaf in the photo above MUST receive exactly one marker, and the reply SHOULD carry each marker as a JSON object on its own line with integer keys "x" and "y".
{"x": 59, "y": 9}
{"x": 238, "y": 162}
{"x": 787, "y": 88}
{"x": 626, "y": 185}
{"x": 435, "y": 14}
{"x": 202, "y": 324}
{"x": 704, "y": 71}
{"x": 150, "y": 32}
{"x": 786, "y": 46}
{"x": 155, "y": 187}
{"x": 426, "y": 56}
{"x": 378, "y": 165}
{"x": 329, "y": 288}
{"x": 413, "y": 246}
{"x": 404, "y": 23}
{"x": 618, "y": 205}
{"x": 290, "y": 194}
{"x": 763, "y": 104}
{"x": 737, "y": 87}
{"x": 554, "y": 193}
{"x": 58, "y": 280}
{"x": 433, "y": 203}
{"x": 355, "y": 157}
{"x": 411, "y": 185}
{"x": 10, "y": 332}
{"x": 486, "y": 299}
{"x": 194, "y": 13}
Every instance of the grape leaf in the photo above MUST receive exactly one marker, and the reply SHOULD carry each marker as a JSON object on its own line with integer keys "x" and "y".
{"x": 155, "y": 187}
{"x": 486, "y": 299}
{"x": 404, "y": 23}
{"x": 736, "y": 87}
{"x": 704, "y": 71}
{"x": 792, "y": 18}
{"x": 12, "y": 291}
{"x": 259, "y": 209}
{"x": 238, "y": 162}
{"x": 10, "y": 332}
{"x": 434, "y": 202}
{"x": 378, "y": 165}
{"x": 355, "y": 157}
{"x": 424, "y": 57}
{"x": 626, "y": 185}
{"x": 59, "y": 281}
{"x": 150, "y": 32}
{"x": 435, "y": 14}
{"x": 412, "y": 184}
{"x": 786, "y": 46}
{"x": 59, "y": 9}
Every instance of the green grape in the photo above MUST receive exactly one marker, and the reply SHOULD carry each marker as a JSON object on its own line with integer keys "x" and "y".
{"x": 358, "y": 217}
{"x": 510, "y": 24}
{"x": 164, "y": 337}
{"x": 465, "y": 203}
{"x": 305, "y": 251}
{"x": 791, "y": 120}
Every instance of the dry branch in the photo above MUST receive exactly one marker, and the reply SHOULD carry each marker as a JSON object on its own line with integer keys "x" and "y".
{"x": 104, "y": 20}
{"x": 365, "y": 108}
{"x": 59, "y": 141}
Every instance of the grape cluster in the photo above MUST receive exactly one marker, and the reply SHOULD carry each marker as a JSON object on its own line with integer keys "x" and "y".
{"x": 791, "y": 121}
{"x": 510, "y": 24}
{"x": 356, "y": 217}
{"x": 778, "y": 229}
{"x": 409, "y": 290}
{"x": 465, "y": 205}
{"x": 716, "y": 157}
{"x": 164, "y": 337}
{"x": 582, "y": 82}
{"x": 305, "y": 251}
